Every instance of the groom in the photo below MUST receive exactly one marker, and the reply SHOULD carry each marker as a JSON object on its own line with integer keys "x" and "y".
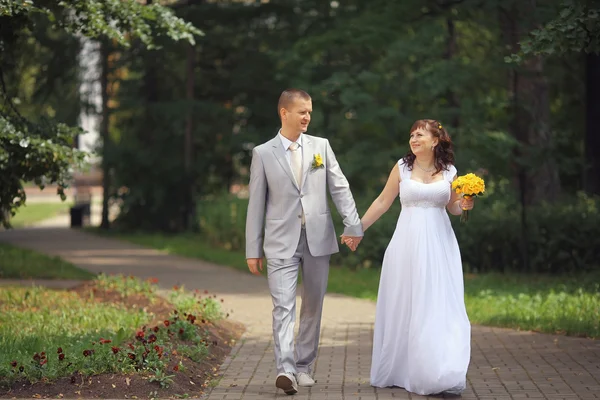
{"x": 289, "y": 218}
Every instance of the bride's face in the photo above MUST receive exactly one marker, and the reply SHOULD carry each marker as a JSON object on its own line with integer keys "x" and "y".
{"x": 422, "y": 142}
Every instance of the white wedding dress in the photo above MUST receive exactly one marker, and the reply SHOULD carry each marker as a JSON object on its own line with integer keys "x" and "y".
{"x": 422, "y": 339}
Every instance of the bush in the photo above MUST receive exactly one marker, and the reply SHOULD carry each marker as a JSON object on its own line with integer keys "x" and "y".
{"x": 560, "y": 238}
{"x": 223, "y": 221}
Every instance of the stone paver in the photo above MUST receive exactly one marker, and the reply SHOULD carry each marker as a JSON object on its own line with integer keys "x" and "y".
{"x": 505, "y": 364}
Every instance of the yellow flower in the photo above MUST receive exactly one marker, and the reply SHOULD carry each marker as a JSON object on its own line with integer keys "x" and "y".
{"x": 469, "y": 185}
{"x": 317, "y": 161}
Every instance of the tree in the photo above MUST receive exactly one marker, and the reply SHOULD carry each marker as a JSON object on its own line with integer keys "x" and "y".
{"x": 43, "y": 152}
{"x": 575, "y": 29}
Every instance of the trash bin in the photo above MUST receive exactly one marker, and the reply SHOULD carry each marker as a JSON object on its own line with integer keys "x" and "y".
{"x": 77, "y": 216}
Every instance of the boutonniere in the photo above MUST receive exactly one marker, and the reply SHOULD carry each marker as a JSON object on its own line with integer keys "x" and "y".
{"x": 317, "y": 161}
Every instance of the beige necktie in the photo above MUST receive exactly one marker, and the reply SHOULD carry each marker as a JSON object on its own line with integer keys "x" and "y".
{"x": 296, "y": 161}
{"x": 296, "y": 158}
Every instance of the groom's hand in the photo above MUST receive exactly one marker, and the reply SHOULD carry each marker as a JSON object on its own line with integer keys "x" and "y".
{"x": 254, "y": 264}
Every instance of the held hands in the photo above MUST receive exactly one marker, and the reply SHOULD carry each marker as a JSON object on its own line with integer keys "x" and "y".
{"x": 254, "y": 264}
{"x": 351, "y": 241}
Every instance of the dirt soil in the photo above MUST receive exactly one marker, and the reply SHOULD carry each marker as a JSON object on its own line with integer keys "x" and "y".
{"x": 192, "y": 383}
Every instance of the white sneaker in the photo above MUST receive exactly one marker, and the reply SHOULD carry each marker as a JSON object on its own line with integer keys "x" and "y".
{"x": 287, "y": 383}
{"x": 305, "y": 379}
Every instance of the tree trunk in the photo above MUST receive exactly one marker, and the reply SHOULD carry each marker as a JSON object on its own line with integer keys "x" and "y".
{"x": 536, "y": 173}
{"x": 451, "y": 49}
{"x": 591, "y": 180}
{"x": 104, "y": 132}
{"x": 189, "y": 207}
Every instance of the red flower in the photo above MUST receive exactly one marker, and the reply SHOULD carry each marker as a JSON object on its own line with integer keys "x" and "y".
{"x": 176, "y": 368}
{"x": 152, "y": 338}
{"x": 153, "y": 280}
{"x": 87, "y": 353}
{"x": 156, "y": 329}
{"x": 131, "y": 346}
{"x": 60, "y": 350}
{"x": 167, "y": 322}
{"x": 43, "y": 355}
{"x": 36, "y": 357}
{"x": 115, "y": 350}
{"x": 181, "y": 331}
{"x": 13, "y": 364}
{"x": 131, "y": 355}
{"x": 140, "y": 335}
{"x": 191, "y": 318}
{"x": 44, "y": 361}
{"x": 105, "y": 341}
{"x": 175, "y": 287}
{"x": 61, "y": 356}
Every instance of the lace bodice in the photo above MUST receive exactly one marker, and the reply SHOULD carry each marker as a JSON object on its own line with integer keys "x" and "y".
{"x": 425, "y": 195}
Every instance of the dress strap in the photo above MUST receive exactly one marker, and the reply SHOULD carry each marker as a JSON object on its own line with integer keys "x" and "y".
{"x": 450, "y": 173}
{"x": 403, "y": 169}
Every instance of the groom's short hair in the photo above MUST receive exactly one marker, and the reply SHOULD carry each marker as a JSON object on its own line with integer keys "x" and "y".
{"x": 288, "y": 96}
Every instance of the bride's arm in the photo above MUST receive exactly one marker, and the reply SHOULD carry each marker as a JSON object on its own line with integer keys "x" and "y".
{"x": 384, "y": 201}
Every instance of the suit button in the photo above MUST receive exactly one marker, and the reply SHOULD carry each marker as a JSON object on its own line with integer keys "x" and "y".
{"x": 301, "y": 196}
{"x": 299, "y": 216}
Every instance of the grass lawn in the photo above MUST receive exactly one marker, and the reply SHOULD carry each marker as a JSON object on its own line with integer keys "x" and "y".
{"x": 18, "y": 263}
{"x": 552, "y": 304}
{"x": 36, "y": 212}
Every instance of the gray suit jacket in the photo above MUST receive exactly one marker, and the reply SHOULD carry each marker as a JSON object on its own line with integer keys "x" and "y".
{"x": 273, "y": 222}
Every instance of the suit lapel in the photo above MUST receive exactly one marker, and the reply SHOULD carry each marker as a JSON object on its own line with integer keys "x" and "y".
{"x": 307, "y": 158}
{"x": 279, "y": 152}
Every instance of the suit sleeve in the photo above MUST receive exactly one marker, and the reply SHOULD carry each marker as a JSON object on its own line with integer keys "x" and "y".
{"x": 256, "y": 208}
{"x": 339, "y": 188}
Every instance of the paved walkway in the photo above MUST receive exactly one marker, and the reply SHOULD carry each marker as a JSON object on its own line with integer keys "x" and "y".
{"x": 505, "y": 364}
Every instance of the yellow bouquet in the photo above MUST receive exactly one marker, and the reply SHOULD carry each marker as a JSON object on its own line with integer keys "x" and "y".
{"x": 469, "y": 185}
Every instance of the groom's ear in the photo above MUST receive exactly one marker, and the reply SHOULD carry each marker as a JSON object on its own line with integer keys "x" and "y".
{"x": 282, "y": 113}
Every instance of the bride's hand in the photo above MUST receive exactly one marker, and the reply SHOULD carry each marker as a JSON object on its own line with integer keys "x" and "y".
{"x": 467, "y": 203}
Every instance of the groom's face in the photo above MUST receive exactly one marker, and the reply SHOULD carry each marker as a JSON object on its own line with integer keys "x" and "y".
{"x": 297, "y": 116}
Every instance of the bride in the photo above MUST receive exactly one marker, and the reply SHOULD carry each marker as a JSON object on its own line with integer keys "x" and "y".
{"x": 422, "y": 332}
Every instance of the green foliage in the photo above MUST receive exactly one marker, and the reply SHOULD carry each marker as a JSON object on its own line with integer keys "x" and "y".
{"x": 18, "y": 263}
{"x": 560, "y": 238}
{"x": 195, "y": 304}
{"x": 576, "y": 29}
{"x": 114, "y": 19}
{"x": 27, "y": 155}
{"x": 62, "y": 320}
{"x": 68, "y": 334}
{"x": 42, "y": 152}
{"x": 126, "y": 285}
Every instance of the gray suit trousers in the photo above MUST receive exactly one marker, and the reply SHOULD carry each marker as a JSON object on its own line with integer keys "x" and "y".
{"x": 283, "y": 279}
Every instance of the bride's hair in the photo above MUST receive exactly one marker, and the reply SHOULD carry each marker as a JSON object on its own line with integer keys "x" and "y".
{"x": 444, "y": 153}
